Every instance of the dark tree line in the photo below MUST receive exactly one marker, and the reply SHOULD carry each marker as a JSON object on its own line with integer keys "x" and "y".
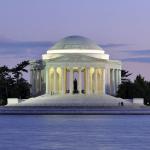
{"x": 139, "y": 88}
{"x": 12, "y": 83}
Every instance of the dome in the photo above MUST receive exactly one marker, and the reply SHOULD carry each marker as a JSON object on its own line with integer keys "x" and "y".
{"x": 77, "y": 45}
{"x": 75, "y": 42}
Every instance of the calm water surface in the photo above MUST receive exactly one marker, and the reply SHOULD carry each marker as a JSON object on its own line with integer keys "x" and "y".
{"x": 74, "y": 132}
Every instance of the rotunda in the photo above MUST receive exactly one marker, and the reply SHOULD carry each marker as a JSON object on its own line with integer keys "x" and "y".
{"x": 75, "y": 65}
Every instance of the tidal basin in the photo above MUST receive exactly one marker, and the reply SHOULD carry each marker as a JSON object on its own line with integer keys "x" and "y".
{"x": 74, "y": 132}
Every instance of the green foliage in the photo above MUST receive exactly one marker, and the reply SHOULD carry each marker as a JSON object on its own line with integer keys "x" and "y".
{"x": 137, "y": 89}
{"x": 12, "y": 83}
{"x": 125, "y": 90}
{"x": 19, "y": 69}
{"x": 124, "y": 75}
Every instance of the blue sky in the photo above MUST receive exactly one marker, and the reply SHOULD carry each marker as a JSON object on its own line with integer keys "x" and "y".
{"x": 122, "y": 27}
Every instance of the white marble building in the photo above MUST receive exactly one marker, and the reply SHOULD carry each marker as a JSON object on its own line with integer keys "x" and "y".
{"x": 75, "y": 64}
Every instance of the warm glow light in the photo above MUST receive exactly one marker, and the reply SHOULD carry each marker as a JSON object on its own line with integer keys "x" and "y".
{"x": 51, "y": 70}
{"x": 51, "y": 54}
{"x": 91, "y": 70}
{"x": 59, "y": 70}
{"x": 75, "y": 51}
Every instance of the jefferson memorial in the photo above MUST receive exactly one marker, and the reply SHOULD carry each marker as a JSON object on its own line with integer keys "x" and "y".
{"x": 75, "y": 65}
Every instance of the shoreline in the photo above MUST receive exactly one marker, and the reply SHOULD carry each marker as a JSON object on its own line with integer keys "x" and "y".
{"x": 74, "y": 110}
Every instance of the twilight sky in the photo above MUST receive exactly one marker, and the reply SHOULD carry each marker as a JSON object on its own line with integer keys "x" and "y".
{"x": 122, "y": 27}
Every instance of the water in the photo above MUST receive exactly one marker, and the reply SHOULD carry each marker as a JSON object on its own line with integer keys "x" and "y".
{"x": 74, "y": 132}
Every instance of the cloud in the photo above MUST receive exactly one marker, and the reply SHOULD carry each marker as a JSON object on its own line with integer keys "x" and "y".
{"x": 138, "y": 52}
{"x": 142, "y": 56}
{"x": 5, "y": 39}
{"x": 5, "y": 44}
{"x": 137, "y": 59}
{"x": 34, "y": 50}
{"x": 113, "y": 45}
{"x": 28, "y": 49}
{"x": 14, "y": 46}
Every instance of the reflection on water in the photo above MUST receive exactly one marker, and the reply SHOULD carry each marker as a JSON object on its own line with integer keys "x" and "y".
{"x": 74, "y": 132}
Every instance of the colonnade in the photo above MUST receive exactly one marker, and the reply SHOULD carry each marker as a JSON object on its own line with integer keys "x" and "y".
{"x": 36, "y": 78}
{"x": 115, "y": 80}
{"x": 91, "y": 80}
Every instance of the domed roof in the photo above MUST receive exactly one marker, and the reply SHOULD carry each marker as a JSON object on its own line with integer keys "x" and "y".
{"x": 75, "y": 42}
{"x": 75, "y": 46}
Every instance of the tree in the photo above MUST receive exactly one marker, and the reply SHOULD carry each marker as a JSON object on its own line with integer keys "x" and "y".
{"x": 142, "y": 89}
{"x": 12, "y": 83}
{"x": 137, "y": 89}
{"x": 20, "y": 69}
{"x": 21, "y": 89}
{"x": 126, "y": 90}
{"x": 124, "y": 75}
{"x": 4, "y": 76}
{"x": 20, "y": 83}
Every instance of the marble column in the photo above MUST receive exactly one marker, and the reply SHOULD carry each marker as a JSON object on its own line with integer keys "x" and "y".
{"x": 55, "y": 80}
{"x": 34, "y": 81}
{"x": 84, "y": 72}
{"x": 80, "y": 81}
{"x": 113, "y": 82}
{"x": 104, "y": 81}
{"x": 31, "y": 79}
{"x": 65, "y": 80}
{"x": 71, "y": 80}
{"x": 108, "y": 81}
{"x": 36, "y": 84}
{"x": 39, "y": 80}
{"x": 62, "y": 81}
{"x": 47, "y": 80}
{"x": 95, "y": 79}
{"x": 87, "y": 81}
{"x": 119, "y": 76}
{"x": 115, "y": 79}
{"x": 117, "y": 82}
{"x": 31, "y": 76}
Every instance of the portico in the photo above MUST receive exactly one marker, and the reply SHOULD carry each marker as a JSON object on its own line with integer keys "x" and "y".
{"x": 90, "y": 80}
